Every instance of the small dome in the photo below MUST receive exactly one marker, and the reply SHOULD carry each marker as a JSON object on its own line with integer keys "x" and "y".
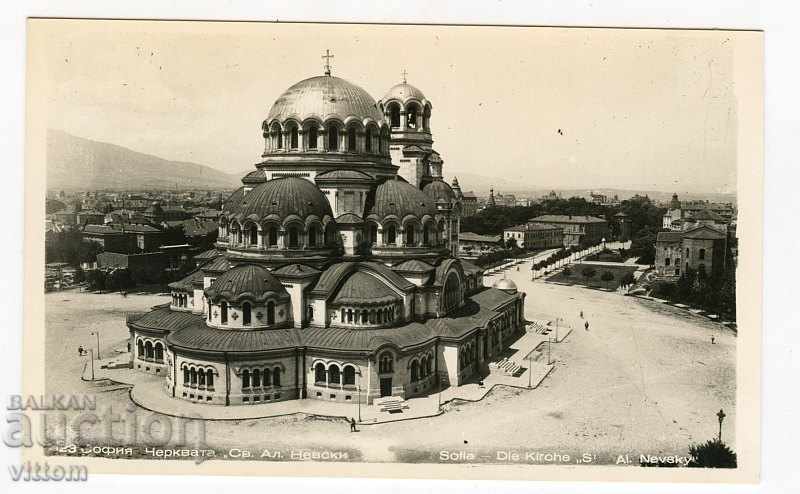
{"x": 399, "y": 198}
{"x": 404, "y": 92}
{"x": 282, "y": 197}
{"x": 506, "y": 285}
{"x": 439, "y": 190}
{"x": 246, "y": 282}
{"x": 254, "y": 177}
{"x": 324, "y": 97}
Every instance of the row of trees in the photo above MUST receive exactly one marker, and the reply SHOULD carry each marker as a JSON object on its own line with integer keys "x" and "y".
{"x": 111, "y": 280}
{"x": 555, "y": 257}
{"x": 589, "y": 272}
{"x": 715, "y": 293}
{"x": 70, "y": 247}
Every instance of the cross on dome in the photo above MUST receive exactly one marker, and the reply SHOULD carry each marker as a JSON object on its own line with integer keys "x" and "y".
{"x": 327, "y": 57}
{"x": 405, "y": 73}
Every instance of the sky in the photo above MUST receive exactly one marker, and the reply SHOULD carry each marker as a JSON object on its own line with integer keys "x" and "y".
{"x": 544, "y": 107}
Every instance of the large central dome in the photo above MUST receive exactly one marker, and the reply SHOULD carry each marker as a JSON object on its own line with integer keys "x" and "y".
{"x": 325, "y": 97}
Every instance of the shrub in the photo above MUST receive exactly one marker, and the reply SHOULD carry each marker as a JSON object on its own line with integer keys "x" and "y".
{"x": 712, "y": 454}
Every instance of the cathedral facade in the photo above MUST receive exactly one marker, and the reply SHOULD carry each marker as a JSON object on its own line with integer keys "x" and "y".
{"x": 335, "y": 275}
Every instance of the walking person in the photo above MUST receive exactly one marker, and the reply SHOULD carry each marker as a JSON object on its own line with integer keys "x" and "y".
{"x": 581, "y": 314}
{"x": 353, "y": 425}
{"x": 586, "y": 325}
{"x": 80, "y": 351}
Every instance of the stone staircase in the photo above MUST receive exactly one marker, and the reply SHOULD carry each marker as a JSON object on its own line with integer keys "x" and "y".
{"x": 391, "y": 404}
{"x": 507, "y": 366}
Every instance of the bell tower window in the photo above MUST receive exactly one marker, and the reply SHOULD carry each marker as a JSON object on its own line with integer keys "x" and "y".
{"x": 394, "y": 115}
{"x": 333, "y": 138}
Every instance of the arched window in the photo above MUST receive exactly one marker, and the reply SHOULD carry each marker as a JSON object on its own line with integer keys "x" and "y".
{"x": 452, "y": 292}
{"x": 368, "y": 140}
{"x": 201, "y": 378}
{"x": 390, "y": 235}
{"x": 256, "y": 378}
{"x": 210, "y": 378}
{"x": 426, "y": 236}
{"x": 186, "y": 376}
{"x": 148, "y": 350}
{"x": 159, "y": 352}
{"x": 270, "y": 312}
{"x": 319, "y": 373}
{"x": 380, "y": 316}
{"x": 386, "y": 364}
{"x": 193, "y": 376}
{"x": 349, "y": 376}
{"x": 333, "y": 138}
{"x": 313, "y": 232}
{"x": 373, "y": 233}
{"x": 333, "y": 374}
{"x": 310, "y": 312}
{"x": 246, "y": 314}
{"x": 140, "y": 349}
{"x": 364, "y": 316}
{"x": 294, "y": 237}
{"x": 701, "y": 254}
{"x": 293, "y": 138}
{"x": 394, "y": 115}
{"x": 223, "y": 312}
{"x": 246, "y": 378}
{"x": 279, "y": 139}
{"x": 414, "y": 371}
{"x": 272, "y": 236}
{"x": 313, "y": 134}
{"x": 410, "y": 237}
{"x": 351, "y": 139}
{"x": 253, "y": 235}
{"x": 350, "y": 315}
{"x": 266, "y": 377}
{"x": 411, "y": 116}
{"x": 276, "y": 376}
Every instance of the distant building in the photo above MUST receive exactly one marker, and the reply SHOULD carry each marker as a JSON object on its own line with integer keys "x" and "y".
{"x": 90, "y": 217}
{"x": 551, "y": 196}
{"x": 578, "y": 230}
{"x": 469, "y": 204}
{"x": 701, "y": 249}
{"x": 687, "y": 215}
{"x": 535, "y": 235}
{"x": 473, "y": 245}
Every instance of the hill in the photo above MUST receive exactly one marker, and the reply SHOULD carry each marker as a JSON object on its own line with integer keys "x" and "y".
{"x": 75, "y": 163}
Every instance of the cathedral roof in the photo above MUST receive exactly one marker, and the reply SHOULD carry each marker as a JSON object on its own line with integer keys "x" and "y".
{"x": 438, "y": 189}
{"x": 399, "y": 198}
{"x": 254, "y": 177}
{"x": 362, "y": 288}
{"x": 247, "y": 281}
{"x": 325, "y": 97}
{"x": 404, "y": 92}
{"x": 282, "y": 197}
{"x": 349, "y": 176}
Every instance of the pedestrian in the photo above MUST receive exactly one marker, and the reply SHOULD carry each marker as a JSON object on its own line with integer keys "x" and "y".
{"x": 353, "y": 425}
{"x": 80, "y": 351}
{"x": 586, "y": 325}
{"x": 712, "y": 339}
{"x": 581, "y": 314}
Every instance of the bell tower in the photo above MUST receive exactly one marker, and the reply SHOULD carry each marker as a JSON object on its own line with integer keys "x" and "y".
{"x": 408, "y": 113}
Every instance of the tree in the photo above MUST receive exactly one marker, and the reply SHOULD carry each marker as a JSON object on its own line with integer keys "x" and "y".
{"x": 627, "y": 280}
{"x": 712, "y": 454}
{"x": 588, "y": 273}
{"x": 607, "y": 277}
{"x": 511, "y": 243}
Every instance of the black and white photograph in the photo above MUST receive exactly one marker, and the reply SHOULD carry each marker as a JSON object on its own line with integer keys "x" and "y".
{"x": 394, "y": 250}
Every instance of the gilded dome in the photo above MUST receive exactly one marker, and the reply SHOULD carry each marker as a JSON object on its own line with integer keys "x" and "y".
{"x": 325, "y": 97}
{"x": 404, "y": 92}
{"x": 438, "y": 189}
{"x": 399, "y": 198}
{"x": 506, "y": 285}
{"x": 246, "y": 282}
{"x": 281, "y": 197}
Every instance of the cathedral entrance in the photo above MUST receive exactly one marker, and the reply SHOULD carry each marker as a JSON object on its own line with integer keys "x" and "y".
{"x": 386, "y": 386}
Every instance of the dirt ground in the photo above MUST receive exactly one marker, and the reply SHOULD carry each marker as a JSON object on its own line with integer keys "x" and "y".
{"x": 644, "y": 379}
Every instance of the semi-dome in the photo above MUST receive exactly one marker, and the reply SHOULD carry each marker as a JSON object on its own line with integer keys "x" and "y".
{"x": 325, "y": 97}
{"x": 281, "y": 197}
{"x": 439, "y": 190}
{"x": 404, "y": 92}
{"x": 399, "y": 198}
{"x": 363, "y": 289}
{"x": 246, "y": 282}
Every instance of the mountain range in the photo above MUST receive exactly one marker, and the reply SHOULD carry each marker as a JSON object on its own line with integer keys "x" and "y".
{"x": 75, "y": 163}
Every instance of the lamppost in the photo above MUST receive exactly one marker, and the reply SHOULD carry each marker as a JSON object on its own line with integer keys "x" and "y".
{"x": 721, "y": 416}
{"x": 97, "y": 333}
{"x": 549, "y": 360}
{"x": 530, "y": 370}
{"x": 91, "y": 361}
{"x": 358, "y": 393}
{"x": 557, "y": 319}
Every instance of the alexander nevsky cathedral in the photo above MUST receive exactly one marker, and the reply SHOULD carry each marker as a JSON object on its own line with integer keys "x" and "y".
{"x": 335, "y": 275}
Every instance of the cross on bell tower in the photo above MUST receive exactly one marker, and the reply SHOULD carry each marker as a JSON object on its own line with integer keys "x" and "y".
{"x": 405, "y": 73}
{"x": 327, "y": 57}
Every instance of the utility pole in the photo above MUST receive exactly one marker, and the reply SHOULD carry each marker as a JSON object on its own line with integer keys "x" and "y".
{"x": 91, "y": 360}
{"x": 97, "y": 334}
